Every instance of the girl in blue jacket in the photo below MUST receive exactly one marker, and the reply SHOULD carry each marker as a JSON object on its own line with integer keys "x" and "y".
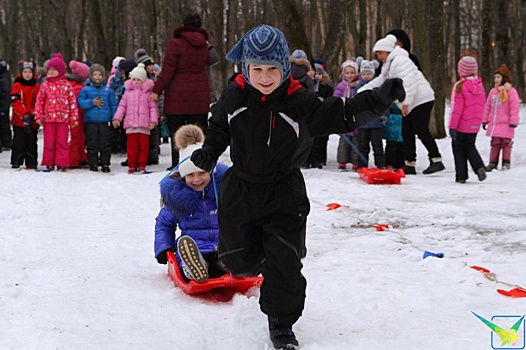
{"x": 189, "y": 202}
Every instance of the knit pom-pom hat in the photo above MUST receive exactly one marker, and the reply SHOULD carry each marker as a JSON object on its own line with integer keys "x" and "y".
{"x": 141, "y": 56}
{"x": 138, "y": 72}
{"x": 467, "y": 66}
{"x": 386, "y": 44}
{"x": 57, "y": 63}
{"x": 262, "y": 45}
{"x": 79, "y": 69}
{"x": 188, "y": 138}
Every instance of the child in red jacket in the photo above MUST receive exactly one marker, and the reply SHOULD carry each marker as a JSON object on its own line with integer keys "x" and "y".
{"x": 25, "y": 129}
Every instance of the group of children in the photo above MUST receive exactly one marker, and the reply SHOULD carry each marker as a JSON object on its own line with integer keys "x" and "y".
{"x": 82, "y": 107}
{"x": 498, "y": 114}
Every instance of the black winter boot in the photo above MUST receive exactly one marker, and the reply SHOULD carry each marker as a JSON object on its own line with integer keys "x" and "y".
{"x": 282, "y": 337}
{"x": 434, "y": 167}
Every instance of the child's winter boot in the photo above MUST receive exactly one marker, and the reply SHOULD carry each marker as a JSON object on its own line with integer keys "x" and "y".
{"x": 282, "y": 336}
{"x": 506, "y": 165}
{"x": 194, "y": 265}
{"x": 490, "y": 167}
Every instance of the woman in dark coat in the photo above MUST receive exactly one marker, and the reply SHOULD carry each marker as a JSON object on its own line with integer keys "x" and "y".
{"x": 184, "y": 79}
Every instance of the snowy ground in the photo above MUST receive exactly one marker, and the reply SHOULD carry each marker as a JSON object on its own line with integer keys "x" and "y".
{"x": 78, "y": 270}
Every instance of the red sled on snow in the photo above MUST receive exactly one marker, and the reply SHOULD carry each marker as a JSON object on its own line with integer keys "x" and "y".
{"x": 224, "y": 286}
{"x": 381, "y": 176}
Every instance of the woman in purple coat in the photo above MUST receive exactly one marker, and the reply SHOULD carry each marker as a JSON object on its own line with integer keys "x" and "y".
{"x": 189, "y": 202}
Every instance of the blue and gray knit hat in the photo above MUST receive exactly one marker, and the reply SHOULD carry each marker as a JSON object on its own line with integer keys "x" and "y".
{"x": 262, "y": 45}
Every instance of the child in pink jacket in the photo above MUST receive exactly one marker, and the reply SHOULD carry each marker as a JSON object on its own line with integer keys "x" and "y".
{"x": 501, "y": 117}
{"x": 141, "y": 117}
{"x": 56, "y": 109}
{"x": 467, "y": 104}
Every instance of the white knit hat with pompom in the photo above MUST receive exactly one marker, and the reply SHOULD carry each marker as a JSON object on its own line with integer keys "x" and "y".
{"x": 188, "y": 138}
{"x": 386, "y": 44}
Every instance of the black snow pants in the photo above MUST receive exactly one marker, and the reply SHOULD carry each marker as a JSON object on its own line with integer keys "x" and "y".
{"x": 262, "y": 223}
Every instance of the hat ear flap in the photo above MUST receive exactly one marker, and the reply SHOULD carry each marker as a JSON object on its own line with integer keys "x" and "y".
{"x": 235, "y": 54}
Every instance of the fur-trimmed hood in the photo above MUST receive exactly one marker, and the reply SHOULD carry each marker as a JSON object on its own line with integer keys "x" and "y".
{"x": 181, "y": 200}
{"x": 147, "y": 85}
{"x": 301, "y": 62}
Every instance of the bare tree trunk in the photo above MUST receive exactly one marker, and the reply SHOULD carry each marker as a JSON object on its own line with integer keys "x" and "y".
{"x": 437, "y": 50}
{"x": 486, "y": 62}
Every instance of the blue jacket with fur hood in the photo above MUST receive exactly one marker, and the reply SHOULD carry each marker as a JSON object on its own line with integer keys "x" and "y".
{"x": 194, "y": 212}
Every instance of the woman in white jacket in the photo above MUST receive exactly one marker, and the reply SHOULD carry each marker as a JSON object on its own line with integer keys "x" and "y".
{"x": 417, "y": 106}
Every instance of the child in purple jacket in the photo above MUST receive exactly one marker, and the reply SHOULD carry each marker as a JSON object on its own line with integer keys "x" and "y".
{"x": 467, "y": 104}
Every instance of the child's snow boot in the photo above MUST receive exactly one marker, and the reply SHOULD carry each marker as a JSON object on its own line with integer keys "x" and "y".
{"x": 282, "y": 337}
{"x": 505, "y": 165}
{"x": 490, "y": 167}
{"x": 194, "y": 265}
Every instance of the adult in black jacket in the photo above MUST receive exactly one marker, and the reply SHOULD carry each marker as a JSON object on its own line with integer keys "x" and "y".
{"x": 268, "y": 119}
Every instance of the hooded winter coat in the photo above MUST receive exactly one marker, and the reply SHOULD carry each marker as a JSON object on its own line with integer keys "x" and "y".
{"x": 195, "y": 213}
{"x": 183, "y": 78}
{"x": 137, "y": 106}
{"x": 467, "y": 106}
{"x": 499, "y": 115}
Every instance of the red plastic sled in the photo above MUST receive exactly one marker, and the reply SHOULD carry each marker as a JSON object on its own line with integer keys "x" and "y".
{"x": 233, "y": 283}
{"x": 381, "y": 176}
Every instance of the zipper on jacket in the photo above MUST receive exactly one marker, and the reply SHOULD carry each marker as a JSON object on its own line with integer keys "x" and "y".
{"x": 271, "y": 126}
{"x": 207, "y": 216}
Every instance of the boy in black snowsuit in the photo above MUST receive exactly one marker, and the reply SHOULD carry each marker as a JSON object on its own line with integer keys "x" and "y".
{"x": 269, "y": 121}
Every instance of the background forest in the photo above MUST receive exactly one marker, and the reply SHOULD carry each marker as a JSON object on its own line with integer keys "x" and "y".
{"x": 441, "y": 32}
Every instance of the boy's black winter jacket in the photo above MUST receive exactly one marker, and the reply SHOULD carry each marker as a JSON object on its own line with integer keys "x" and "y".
{"x": 271, "y": 135}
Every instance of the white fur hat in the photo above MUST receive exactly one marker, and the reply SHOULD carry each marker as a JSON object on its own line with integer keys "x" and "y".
{"x": 386, "y": 44}
{"x": 138, "y": 72}
{"x": 188, "y": 138}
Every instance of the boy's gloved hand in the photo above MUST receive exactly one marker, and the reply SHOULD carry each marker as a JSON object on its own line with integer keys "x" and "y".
{"x": 204, "y": 158}
{"x": 370, "y": 104}
{"x": 453, "y": 133}
{"x": 162, "y": 258}
{"x": 390, "y": 91}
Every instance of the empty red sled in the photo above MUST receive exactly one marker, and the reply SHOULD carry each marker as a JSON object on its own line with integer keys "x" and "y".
{"x": 237, "y": 284}
{"x": 381, "y": 176}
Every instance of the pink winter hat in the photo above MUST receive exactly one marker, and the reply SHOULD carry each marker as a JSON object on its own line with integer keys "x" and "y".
{"x": 57, "y": 62}
{"x": 79, "y": 69}
{"x": 467, "y": 66}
